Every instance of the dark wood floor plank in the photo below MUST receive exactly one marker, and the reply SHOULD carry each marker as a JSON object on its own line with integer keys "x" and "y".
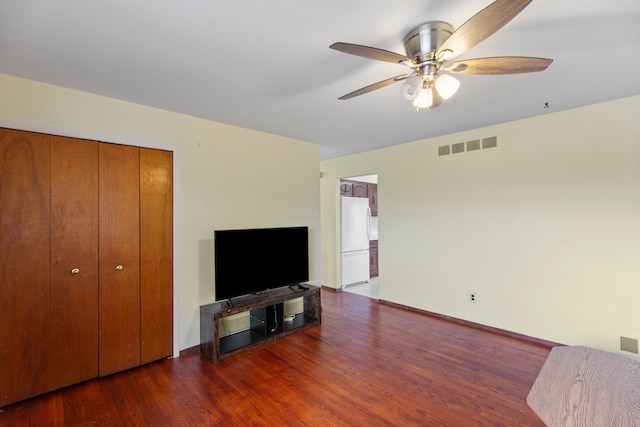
{"x": 367, "y": 364}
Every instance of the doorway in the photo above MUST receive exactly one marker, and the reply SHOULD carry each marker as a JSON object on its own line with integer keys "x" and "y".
{"x": 352, "y": 190}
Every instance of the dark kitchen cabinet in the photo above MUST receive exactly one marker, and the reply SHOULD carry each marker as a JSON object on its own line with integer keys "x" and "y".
{"x": 372, "y": 195}
{"x": 346, "y": 188}
{"x": 373, "y": 258}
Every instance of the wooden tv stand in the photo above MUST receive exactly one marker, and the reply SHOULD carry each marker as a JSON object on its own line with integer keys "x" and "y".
{"x": 266, "y": 320}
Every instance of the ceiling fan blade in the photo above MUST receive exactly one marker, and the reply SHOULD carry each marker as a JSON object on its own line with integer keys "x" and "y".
{"x": 480, "y": 26}
{"x": 500, "y": 65}
{"x": 370, "y": 52}
{"x": 374, "y": 86}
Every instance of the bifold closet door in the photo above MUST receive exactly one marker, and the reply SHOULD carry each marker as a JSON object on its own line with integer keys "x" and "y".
{"x": 156, "y": 254}
{"x": 119, "y": 258}
{"x": 86, "y": 260}
{"x": 74, "y": 261}
{"x": 25, "y": 214}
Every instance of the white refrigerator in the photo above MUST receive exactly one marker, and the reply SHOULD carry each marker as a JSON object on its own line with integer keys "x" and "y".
{"x": 355, "y": 222}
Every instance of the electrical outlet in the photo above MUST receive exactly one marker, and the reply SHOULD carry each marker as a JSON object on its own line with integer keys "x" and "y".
{"x": 472, "y": 297}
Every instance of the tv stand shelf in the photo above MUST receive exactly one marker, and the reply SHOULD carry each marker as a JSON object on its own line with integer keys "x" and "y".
{"x": 266, "y": 320}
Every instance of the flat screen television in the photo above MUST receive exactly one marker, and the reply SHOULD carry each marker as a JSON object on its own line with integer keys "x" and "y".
{"x": 251, "y": 261}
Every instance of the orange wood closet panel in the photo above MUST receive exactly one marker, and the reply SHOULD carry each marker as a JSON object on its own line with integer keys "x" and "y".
{"x": 119, "y": 241}
{"x": 86, "y": 260}
{"x": 156, "y": 254}
{"x": 74, "y": 261}
{"x": 25, "y": 213}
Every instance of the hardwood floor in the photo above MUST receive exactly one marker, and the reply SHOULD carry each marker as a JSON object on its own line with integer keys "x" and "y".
{"x": 368, "y": 364}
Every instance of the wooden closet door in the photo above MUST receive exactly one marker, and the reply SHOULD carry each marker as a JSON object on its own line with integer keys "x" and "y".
{"x": 25, "y": 255}
{"x": 74, "y": 256}
{"x": 119, "y": 241}
{"x": 156, "y": 254}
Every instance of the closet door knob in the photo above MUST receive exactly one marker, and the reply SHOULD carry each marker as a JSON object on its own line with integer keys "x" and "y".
{"x": 119, "y": 267}
{"x": 75, "y": 271}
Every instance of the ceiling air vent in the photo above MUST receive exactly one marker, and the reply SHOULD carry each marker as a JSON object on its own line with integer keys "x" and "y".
{"x": 468, "y": 146}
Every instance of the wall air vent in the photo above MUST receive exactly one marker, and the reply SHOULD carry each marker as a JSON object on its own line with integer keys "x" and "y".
{"x": 444, "y": 150}
{"x": 491, "y": 142}
{"x": 457, "y": 148}
{"x": 474, "y": 145}
{"x": 630, "y": 345}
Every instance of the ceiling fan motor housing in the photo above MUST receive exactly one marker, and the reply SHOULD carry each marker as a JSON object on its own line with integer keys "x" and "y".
{"x": 421, "y": 43}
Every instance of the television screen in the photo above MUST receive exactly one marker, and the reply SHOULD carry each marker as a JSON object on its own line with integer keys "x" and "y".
{"x": 254, "y": 260}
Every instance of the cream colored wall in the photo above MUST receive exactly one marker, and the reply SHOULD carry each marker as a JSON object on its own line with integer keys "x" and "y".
{"x": 225, "y": 176}
{"x": 545, "y": 230}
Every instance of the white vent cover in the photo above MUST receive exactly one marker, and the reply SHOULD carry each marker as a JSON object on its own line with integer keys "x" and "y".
{"x": 468, "y": 146}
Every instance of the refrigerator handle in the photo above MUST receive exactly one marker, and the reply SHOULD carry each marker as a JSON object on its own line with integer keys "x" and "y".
{"x": 368, "y": 222}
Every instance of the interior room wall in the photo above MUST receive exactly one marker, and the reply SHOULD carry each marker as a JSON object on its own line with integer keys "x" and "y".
{"x": 544, "y": 229}
{"x": 225, "y": 177}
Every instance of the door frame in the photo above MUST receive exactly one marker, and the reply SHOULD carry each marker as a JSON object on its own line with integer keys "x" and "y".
{"x": 367, "y": 177}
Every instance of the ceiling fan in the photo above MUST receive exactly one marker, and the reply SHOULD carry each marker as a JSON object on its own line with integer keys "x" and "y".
{"x": 429, "y": 48}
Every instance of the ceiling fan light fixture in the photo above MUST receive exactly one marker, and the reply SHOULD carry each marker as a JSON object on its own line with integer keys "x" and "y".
{"x": 445, "y": 55}
{"x": 447, "y": 86}
{"x": 424, "y": 98}
{"x": 411, "y": 87}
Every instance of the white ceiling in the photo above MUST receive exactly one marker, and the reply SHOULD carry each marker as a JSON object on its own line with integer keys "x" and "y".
{"x": 266, "y": 65}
